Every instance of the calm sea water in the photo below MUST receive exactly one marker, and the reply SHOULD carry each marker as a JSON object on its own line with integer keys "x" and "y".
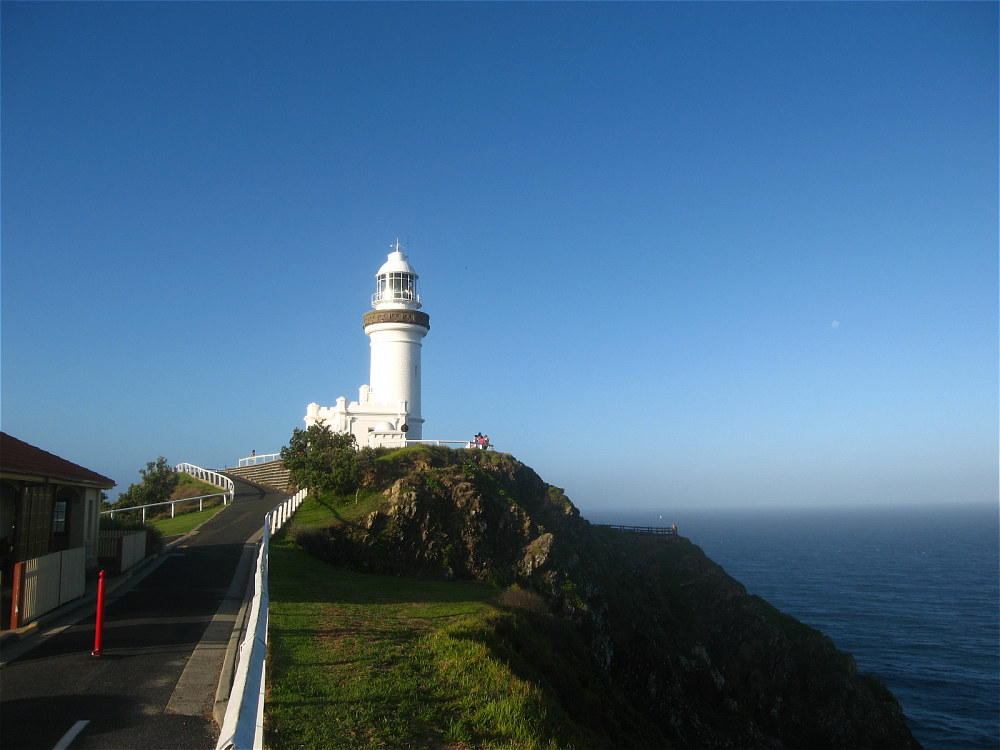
{"x": 911, "y": 593}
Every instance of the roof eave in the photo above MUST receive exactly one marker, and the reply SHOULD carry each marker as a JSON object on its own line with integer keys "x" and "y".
{"x": 107, "y": 484}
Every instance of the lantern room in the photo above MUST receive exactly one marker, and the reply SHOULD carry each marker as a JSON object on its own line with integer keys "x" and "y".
{"x": 396, "y": 283}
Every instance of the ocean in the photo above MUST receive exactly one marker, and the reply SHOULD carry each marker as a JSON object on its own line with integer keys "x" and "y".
{"x": 912, "y": 593}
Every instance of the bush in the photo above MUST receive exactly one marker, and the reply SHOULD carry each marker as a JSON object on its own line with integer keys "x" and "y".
{"x": 158, "y": 483}
{"x": 321, "y": 544}
{"x": 325, "y": 461}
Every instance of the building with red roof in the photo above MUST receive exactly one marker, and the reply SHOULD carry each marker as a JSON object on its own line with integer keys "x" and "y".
{"x": 47, "y": 505}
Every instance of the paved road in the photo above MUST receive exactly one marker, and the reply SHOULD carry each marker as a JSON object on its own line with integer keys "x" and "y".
{"x": 135, "y": 695}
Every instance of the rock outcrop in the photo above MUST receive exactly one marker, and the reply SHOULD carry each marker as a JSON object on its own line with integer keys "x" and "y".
{"x": 677, "y": 638}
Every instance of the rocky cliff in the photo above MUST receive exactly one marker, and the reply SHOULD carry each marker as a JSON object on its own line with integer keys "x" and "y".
{"x": 677, "y": 639}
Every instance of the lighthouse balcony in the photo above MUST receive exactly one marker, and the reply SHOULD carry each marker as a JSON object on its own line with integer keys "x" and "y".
{"x": 395, "y": 295}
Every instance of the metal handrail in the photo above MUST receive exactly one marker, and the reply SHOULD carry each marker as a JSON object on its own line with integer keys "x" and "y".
{"x": 206, "y": 475}
{"x": 462, "y": 443}
{"x": 200, "y": 498}
{"x": 663, "y": 530}
{"x": 398, "y": 295}
{"x": 262, "y": 459}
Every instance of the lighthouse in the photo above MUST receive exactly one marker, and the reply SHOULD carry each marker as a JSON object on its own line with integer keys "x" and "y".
{"x": 387, "y": 412}
{"x": 396, "y": 327}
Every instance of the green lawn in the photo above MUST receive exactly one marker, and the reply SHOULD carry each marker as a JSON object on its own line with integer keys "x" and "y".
{"x": 189, "y": 486}
{"x": 318, "y": 512}
{"x": 359, "y": 661}
{"x": 184, "y": 522}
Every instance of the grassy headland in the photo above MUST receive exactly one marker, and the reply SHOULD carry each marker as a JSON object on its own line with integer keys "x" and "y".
{"x": 461, "y": 602}
{"x": 364, "y": 660}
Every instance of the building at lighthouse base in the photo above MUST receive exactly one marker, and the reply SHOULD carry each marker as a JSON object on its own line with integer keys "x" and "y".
{"x": 373, "y": 424}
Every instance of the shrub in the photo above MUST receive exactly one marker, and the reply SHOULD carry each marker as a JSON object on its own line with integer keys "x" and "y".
{"x": 323, "y": 460}
{"x": 320, "y": 544}
{"x": 158, "y": 483}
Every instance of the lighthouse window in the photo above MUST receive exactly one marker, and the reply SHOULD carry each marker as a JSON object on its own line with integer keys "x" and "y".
{"x": 398, "y": 286}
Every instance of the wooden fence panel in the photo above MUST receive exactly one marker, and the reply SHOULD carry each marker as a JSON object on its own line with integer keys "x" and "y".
{"x": 72, "y": 575}
{"x": 133, "y": 549}
{"x": 49, "y": 581}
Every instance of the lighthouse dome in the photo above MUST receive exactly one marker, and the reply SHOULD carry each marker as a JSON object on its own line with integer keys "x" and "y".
{"x": 396, "y": 263}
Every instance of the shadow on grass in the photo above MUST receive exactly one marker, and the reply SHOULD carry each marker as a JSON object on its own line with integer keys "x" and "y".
{"x": 536, "y": 647}
{"x": 319, "y": 511}
{"x": 295, "y": 576}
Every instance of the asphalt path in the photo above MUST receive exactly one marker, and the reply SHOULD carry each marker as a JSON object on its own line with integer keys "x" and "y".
{"x": 137, "y": 694}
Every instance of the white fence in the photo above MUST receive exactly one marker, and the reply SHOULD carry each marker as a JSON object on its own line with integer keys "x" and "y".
{"x": 459, "y": 443}
{"x": 49, "y": 581}
{"x": 243, "y": 725}
{"x": 207, "y": 475}
{"x": 263, "y": 459}
{"x": 226, "y": 497}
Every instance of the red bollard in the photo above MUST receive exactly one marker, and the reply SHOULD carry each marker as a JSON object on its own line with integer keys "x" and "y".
{"x": 100, "y": 616}
{"x": 17, "y": 591}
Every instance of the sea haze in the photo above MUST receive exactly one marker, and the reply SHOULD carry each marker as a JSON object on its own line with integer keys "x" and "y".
{"x": 912, "y": 593}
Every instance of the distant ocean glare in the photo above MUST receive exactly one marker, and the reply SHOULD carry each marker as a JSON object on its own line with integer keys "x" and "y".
{"x": 912, "y": 593}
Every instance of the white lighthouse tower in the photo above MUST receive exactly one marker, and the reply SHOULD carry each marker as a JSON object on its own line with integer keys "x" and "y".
{"x": 396, "y": 327}
{"x": 387, "y": 412}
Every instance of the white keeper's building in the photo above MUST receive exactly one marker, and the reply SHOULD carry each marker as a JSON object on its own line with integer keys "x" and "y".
{"x": 387, "y": 412}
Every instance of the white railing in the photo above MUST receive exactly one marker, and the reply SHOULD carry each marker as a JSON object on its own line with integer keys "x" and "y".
{"x": 226, "y": 498}
{"x": 396, "y": 295}
{"x": 460, "y": 443}
{"x": 243, "y": 725}
{"x": 263, "y": 459}
{"x": 207, "y": 475}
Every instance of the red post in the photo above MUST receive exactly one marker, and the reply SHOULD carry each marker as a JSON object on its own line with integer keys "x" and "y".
{"x": 100, "y": 616}
{"x": 15, "y": 604}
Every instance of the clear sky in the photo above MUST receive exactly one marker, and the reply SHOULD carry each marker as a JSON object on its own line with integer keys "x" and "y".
{"x": 674, "y": 255}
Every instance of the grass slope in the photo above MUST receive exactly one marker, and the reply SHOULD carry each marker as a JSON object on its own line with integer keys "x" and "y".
{"x": 359, "y": 660}
{"x": 184, "y": 522}
{"x": 186, "y": 515}
{"x": 189, "y": 486}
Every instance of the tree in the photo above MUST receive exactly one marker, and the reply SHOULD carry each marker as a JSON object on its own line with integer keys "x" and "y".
{"x": 323, "y": 460}
{"x": 159, "y": 480}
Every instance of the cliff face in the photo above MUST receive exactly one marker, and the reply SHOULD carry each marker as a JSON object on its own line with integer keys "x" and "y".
{"x": 676, "y": 637}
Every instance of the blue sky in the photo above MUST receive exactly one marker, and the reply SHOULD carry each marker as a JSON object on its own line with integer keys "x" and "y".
{"x": 674, "y": 255}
